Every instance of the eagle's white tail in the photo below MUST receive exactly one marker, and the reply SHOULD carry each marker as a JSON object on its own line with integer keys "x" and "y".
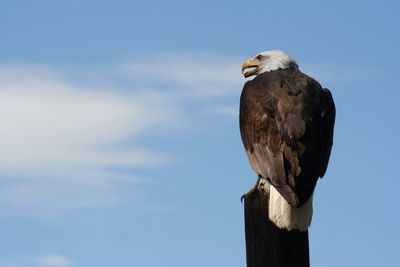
{"x": 283, "y": 215}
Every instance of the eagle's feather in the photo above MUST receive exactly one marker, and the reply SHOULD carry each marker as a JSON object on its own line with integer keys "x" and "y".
{"x": 286, "y": 124}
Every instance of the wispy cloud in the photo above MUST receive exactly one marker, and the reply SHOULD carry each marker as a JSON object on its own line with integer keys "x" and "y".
{"x": 62, "y": 135}
{"x": 65, "y": 132}
{"x": 53, "y": 260}
{"x": 193, "y": 75}
{"x": 59, "y": 139}
{"x": 51, "y": 124}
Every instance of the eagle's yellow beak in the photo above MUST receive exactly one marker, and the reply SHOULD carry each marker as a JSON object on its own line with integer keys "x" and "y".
{"x": 253, "y": 63}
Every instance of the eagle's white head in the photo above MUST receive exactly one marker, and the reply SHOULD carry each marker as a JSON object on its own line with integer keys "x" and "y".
{"x": 267, "y": 61}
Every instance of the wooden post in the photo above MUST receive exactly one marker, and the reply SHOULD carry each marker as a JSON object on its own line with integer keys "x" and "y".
{"x": 266, "y": 244}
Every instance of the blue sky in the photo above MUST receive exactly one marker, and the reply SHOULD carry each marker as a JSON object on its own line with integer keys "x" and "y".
{"x": 119, "y": 129}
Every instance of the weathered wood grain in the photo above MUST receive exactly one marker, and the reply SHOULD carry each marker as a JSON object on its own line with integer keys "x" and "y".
{"x": 266, "y": 244}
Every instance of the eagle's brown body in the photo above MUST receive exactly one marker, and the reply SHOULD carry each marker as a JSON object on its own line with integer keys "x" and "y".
{"x": 286, "y": 124}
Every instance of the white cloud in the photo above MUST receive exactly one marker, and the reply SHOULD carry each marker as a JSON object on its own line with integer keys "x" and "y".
{"x": 50, "y": 123}
{"x": 63, "y": 133}
{"x": 61, "y": 141}
{"x": 199, "y": 75}
{"x": 53, "y": 260}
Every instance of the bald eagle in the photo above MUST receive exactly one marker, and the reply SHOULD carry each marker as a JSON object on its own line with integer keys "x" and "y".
{"x": 286, "y": 125}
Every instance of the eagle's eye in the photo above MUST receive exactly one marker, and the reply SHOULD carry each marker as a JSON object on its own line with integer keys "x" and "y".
{"x": 259, "y": 57}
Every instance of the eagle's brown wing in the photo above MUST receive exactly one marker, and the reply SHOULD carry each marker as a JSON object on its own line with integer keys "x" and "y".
{"x": 286, "y": 124}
